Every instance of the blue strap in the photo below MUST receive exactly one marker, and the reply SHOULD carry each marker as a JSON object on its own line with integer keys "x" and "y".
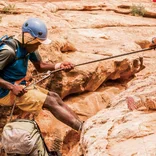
{"x": 4, "y": 37}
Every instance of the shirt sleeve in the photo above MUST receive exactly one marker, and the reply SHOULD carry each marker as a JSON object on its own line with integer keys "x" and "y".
{"x": 6, "y": 57}
{"x": 35, "y": 56}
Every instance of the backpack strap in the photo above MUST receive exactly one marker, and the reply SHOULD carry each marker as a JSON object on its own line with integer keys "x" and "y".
{"x": 8, "y": 41}
{"x": 12, "y": 43}
{"x": 50, "y": 153}
{"x": 12, "y": 111}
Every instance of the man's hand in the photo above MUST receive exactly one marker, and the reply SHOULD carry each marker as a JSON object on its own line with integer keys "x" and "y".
{"x": 131, "y": 103}
{"x": 67, "y": 66}
{"x": 18, "y": 90}
{"x": 153, "y": 43}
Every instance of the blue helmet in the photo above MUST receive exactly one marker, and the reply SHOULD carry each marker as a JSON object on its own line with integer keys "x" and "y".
{"x": 37, "y": 29}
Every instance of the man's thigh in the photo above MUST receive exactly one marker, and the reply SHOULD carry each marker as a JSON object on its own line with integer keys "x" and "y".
{"x": 32, "y": 100}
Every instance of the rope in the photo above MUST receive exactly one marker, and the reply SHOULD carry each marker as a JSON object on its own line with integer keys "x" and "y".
{"x": 103, "y": 59}
{"x": 111, "y": 57}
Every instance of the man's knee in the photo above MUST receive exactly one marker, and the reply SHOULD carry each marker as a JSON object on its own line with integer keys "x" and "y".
{"x": 54, "y": 96}
{"x": 52, "y": 100}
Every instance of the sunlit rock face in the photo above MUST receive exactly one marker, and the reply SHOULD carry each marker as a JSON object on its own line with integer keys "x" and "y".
{"x": 84, "y": 31}
{"x": 119, "y": 131}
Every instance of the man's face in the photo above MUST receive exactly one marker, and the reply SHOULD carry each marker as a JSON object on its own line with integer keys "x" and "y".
{"x": 32, "y": 45}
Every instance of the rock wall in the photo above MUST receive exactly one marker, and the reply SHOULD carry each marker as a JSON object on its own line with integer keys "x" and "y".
{"x": 84, "y": 31}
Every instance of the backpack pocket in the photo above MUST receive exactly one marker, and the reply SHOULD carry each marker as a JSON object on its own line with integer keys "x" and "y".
{"x": 19, "y": 136}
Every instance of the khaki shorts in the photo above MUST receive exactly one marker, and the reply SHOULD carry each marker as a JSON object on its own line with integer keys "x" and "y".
{"x": 31, "y": 101}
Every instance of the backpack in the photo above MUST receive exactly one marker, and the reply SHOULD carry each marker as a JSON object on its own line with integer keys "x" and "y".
{"x": 19, "y": 136}
{"x": 23, "y": 136}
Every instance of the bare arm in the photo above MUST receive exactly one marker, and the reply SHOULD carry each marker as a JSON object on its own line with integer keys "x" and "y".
{"x": 16, "y": 89}
{"x": 5, "y": 84}
{"x": 43, "y": 67}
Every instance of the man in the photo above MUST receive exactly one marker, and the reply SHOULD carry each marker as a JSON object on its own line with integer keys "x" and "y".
{"x": 14, "y": 58}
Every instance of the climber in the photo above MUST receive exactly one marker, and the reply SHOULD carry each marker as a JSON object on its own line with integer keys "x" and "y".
{"x": 14, "y": 56}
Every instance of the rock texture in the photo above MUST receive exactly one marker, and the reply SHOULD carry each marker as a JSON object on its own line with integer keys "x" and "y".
{"x": 119, "y": 132}
{"x": 84, "y": 31}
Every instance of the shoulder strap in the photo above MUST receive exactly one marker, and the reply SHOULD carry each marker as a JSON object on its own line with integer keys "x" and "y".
{"x": 12, "y": 111}
{"x": 8, "y": 41}
{"x": 12, "y": 43}
{"x": 50, "y": 153}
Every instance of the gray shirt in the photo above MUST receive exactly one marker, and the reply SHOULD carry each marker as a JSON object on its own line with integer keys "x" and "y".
{"x": 7, "y": 55}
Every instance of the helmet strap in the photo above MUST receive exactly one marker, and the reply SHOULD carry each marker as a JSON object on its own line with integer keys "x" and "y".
{"x": 23, "y": 38}
{"x": 30, "y": 40}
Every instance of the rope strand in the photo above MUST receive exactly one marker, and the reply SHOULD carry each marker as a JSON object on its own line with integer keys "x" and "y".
{"x": 103, "y": 59}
